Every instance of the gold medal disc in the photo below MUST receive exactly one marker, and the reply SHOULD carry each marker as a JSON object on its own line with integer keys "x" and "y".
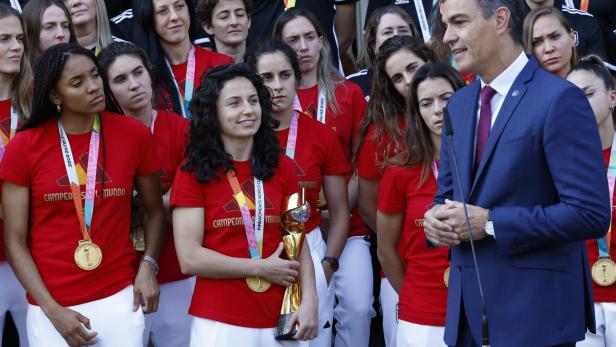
{"x": 604, "y": 272}
{"x": 88, "y": 255}
{"x": 258, "y": 284}
{"x": 446, "y": 276}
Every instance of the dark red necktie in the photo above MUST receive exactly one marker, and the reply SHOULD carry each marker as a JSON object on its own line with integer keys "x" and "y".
{"x": 485, "y": 122}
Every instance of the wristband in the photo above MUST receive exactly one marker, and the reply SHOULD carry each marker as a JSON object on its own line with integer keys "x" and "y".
{"x": 152, "y": 262}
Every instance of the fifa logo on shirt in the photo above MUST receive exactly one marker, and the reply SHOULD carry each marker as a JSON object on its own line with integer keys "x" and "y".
{"x": 81, "y": 168}
{"x": 248, "y": 187}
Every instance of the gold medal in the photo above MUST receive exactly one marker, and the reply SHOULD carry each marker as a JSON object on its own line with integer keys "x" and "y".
{"x": 258, "y": 284}
{"x": 604, "y": 272}
{"x": 446, "y": 276}
{"x": 138, "y": 237}
{"x": 88, "y": 255}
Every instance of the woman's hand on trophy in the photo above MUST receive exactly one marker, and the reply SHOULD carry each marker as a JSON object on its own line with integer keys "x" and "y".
{"x": 278, "y": 270}
{"x": 306, "y": 316}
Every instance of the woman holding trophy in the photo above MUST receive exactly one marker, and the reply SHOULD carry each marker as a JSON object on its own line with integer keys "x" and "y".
{"x": 227, "y": 203}
{"x": 320, "y": 161}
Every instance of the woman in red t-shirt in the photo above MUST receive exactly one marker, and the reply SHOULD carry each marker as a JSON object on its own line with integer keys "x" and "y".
{"x": 166, "y": 29}
{"x": 74, "y": 257}
{"x": 380, "y": 137}
{"x": 319, "y": 161}
{"x": 234, "y": 165}
{"x": 339, "y": 104}
{"x": 417, "y": 273}
{"x": 15, "y": 75}
{"x": 127, "y": 69}
{"x": 594, "y": 79}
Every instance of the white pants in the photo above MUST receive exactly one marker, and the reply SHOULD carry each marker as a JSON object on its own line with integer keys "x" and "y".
{"x": 325, "y": 292}
{"x": 12, "y": 299}
{"x": 354, "y": 311}
{"x": 112, "y": 318}
{"x": 416, "y": 335}
{"x": 206, "y": 332}
{"x": 605, "y": 317}
{"x": 170, "y": 325}
{"x": 389, "y": 309}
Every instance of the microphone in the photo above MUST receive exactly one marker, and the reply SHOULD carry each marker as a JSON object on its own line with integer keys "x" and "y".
{"x": 485, "y": 337}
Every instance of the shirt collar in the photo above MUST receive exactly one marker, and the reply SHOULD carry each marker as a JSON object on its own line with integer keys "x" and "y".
{"x": 503, "y": 82}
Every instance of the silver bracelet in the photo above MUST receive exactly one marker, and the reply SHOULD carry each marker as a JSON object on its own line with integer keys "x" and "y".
{"x": 152, "y": 262}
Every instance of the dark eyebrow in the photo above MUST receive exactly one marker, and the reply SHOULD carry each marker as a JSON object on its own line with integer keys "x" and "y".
{"x": 455, "y": 17}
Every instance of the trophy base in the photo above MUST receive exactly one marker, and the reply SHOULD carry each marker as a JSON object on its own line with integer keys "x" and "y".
{"x": 281, "y": 333}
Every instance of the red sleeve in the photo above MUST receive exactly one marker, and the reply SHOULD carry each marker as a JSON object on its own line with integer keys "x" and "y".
{"x": 366, "y": 159}
{"x": 360, "y": 105}
{"x": 391, "y": 196}
{"x": 186, "y": 191}
{"x": 148, "y": 159}
{"x": 336, "y": 162}
{"x": 181, "y": 138}
{"x": 15, "y": 166}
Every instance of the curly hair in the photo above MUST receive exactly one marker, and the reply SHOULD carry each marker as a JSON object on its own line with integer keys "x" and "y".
{"x": 386, "y": 106}
{"x": 205, "y": 152}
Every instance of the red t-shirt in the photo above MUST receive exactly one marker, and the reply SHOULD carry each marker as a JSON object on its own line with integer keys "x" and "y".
{"x": 351, "y": 107}
{"x": 170, "y": 131}
{"x": 230, "y": 301}
{"x": 317, "y": 153}
{"x": 600, "y": 293}
{"x": 204, "y": 60}
{"x": 33, "y": 159}
{"x": 5, "y": 133}
{"x": 375, "y": 151}
{"x": 423, "y": 297}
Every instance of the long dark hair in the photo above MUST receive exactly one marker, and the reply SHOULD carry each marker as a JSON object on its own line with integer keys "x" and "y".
{"x": 387, "y": 107}
{"x": 419, "y": 147}
{"x": 145, "y": 36}
{"x": 205, "y": 153}
{"x": 47, "y": 73}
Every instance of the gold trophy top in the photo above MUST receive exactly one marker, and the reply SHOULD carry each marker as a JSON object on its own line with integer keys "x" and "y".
{"x": 296, "y": 213}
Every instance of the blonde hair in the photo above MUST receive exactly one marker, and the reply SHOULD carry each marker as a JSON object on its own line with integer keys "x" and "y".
{"x": 103, "y": 31}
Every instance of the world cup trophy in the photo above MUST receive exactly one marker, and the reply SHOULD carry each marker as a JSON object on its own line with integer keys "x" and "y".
{"x": 295, "y": 214}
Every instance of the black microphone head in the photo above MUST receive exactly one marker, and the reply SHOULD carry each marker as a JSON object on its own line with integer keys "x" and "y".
{"x": 447, "y": 122}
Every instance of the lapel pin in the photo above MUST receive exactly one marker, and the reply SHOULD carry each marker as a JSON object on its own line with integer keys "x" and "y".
{"x": 515, "y": 93}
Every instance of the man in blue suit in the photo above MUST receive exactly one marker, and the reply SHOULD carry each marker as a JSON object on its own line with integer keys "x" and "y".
{"x": 532, "y": 171}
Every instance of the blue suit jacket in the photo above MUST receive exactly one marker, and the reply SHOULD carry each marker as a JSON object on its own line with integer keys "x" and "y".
{"x": 542, "y": 175}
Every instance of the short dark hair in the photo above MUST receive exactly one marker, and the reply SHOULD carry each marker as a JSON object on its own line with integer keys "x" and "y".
{"x": 269, "y": 46}
{"x": 109, "y": 54}
{"x": 205, "y": 153}
{"x": 205, "y": 10}
{"x": 517, "y": 10}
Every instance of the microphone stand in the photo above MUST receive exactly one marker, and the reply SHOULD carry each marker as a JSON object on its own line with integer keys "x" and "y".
{"x": 485, "y": 337}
